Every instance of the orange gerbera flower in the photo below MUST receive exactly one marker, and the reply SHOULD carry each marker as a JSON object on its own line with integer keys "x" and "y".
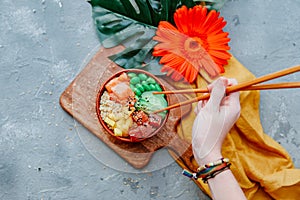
{"x": 198, "y": 43}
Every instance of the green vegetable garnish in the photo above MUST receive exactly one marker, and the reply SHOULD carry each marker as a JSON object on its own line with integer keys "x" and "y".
{"x": 148, "y": 102}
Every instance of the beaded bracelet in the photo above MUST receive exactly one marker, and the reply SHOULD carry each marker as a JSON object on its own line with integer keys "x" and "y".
{"x": 215, "y": 173}
{"x": 209, "y": 170}
{"x": 212, "y": 164}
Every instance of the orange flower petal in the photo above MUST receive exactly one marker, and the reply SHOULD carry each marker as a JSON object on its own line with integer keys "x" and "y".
{"x": 197, "y": 41}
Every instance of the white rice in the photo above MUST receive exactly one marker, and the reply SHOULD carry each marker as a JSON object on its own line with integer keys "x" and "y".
{"x": 108, "y": 106}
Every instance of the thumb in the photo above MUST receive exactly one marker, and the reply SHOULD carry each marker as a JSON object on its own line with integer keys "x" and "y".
{"x": 217, "y": 94}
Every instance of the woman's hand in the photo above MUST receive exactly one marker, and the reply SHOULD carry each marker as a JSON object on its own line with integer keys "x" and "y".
{"x": 215, "y": 118}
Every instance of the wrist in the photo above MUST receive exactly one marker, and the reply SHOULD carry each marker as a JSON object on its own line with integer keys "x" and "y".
{"x": 211, "y": 157}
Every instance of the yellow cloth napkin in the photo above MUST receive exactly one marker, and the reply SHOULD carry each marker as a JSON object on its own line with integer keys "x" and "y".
{"x": 262, "y": 167}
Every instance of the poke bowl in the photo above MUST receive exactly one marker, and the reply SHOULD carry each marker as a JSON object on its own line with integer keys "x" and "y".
{"x": 125, "y": 105}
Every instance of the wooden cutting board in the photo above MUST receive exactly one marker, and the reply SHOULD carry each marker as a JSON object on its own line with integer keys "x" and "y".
{"x": 79, "y": 100}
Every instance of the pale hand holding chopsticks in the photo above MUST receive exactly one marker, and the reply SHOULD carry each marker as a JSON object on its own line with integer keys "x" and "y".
{"x": 249, "y": 85}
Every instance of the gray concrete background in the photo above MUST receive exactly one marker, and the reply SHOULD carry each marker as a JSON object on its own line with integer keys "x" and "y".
{"x": 43, "y": 45}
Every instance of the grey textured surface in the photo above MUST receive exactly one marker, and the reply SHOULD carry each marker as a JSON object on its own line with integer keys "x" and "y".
{"x": 43, "y": 45}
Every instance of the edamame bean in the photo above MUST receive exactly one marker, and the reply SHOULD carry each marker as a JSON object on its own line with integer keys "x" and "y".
{"x": 158, "y": 88}
{"x": 137, "y": 92}
{"x": 143, "y": 77}
{"x": 146, "y": 87}
{"x": 135, "y": 80}
{"x": 152, "y": 87}
{"x": 140, "y": 87}
{"x": 144, "y": 83}
{"x": 131, "y": 86}
{"x": 150, "y": 80}
{"x": 131, "y": 74}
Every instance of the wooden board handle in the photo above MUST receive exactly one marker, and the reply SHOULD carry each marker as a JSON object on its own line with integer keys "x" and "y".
{"x": 183, "y": 151}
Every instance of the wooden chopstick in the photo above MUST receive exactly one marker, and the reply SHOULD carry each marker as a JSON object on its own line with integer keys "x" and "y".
{"x": 272, "y": 86}
{"x": 237, "y": 87}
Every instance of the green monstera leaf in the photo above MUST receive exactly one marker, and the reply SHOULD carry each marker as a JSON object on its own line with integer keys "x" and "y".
{"x": 214, "y": 4}
{"x": 132, "y": 23}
